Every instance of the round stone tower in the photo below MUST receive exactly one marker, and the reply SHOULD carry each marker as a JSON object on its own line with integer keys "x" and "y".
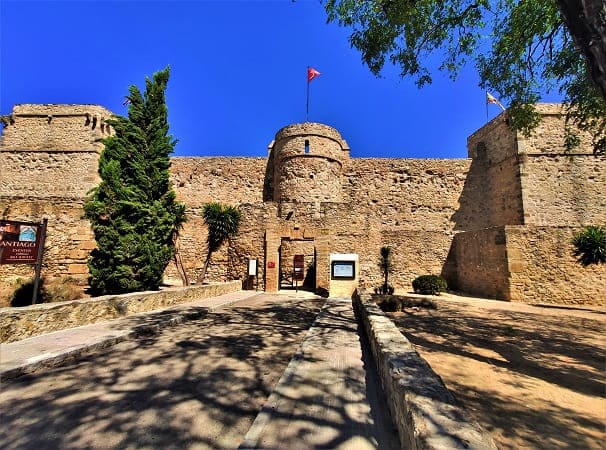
{"x": 308, "y": 158}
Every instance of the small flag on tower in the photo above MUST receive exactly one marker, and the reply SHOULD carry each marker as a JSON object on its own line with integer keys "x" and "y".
{"x": 492, "y": 99}
{"x": 312, "y": 73}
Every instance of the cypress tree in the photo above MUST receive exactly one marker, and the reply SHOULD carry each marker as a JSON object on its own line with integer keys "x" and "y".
{"x": 133, "y": 211}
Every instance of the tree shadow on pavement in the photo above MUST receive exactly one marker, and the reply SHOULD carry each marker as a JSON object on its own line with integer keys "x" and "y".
{"x": 331, "y": 396}
{"x": 197, "y": 384}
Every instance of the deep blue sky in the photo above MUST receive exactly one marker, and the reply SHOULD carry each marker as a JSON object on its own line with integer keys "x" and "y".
{"x": 238, "y": 74}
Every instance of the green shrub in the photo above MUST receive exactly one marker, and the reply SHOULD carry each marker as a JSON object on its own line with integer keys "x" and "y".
{"x": 429, "y": 284}
{"x": 55, "y": 290}
{"x": 590, "y": 245}
{"x": 395, "y": 303}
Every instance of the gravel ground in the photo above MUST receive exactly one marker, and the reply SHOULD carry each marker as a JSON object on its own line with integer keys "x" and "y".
{"x": 533, "y": 376}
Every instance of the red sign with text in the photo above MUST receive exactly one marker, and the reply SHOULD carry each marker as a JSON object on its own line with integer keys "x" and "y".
{"x": 19, "y": 242}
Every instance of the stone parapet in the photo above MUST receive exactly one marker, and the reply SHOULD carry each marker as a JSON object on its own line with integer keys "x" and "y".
{"x": 21, "y": 323}
{"x": 55, "y": 128}
{"x": 424, "y": 411}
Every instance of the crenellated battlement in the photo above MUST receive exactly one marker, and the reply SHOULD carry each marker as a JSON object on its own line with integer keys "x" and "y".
{"x": 55, "y": 128}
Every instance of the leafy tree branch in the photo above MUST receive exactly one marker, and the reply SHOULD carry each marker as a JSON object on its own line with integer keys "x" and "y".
{"x": 521, "y": 49}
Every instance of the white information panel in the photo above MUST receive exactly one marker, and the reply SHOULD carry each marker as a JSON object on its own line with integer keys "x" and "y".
{"x": 252, "y": 267}
{"x": 343, "y": 269}
{"x": 343, "y": 266}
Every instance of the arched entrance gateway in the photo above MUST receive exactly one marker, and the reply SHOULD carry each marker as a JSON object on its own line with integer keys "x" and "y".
{"x": 280, "y": 251}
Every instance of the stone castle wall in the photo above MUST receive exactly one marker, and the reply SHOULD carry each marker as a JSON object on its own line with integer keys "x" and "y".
{"x": 439, "y": 216}
{"x": 477, "y": 263}
{"x": 495, "y": 186}
{"x": 200, "y": 180}
{"x": 534, "y": 180}
{"x": 48, "y": 162}
{"x": 534, "y": 194}
{"x": 560, "y": 188}
{"x": 564, "y": 190}
{"x": 542, "y": 268}
{"x": 48, "y": 175}
{"x": 406, "y": 203}
{"x": 531, "y": 264}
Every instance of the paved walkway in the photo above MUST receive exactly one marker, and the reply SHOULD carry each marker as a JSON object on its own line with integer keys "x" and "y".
{"x": 52, "y": 349}
{"x": 328, "y": 397}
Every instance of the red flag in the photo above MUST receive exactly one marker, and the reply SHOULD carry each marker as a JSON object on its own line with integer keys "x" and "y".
{"x": 312, "y": 73}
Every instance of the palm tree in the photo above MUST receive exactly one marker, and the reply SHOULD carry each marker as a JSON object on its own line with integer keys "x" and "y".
{"x": 386, "y": 266}
{"x": 223, "y": 222}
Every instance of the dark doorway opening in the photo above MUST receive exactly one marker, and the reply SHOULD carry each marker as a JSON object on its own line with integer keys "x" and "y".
{"x": 286, "y": 252}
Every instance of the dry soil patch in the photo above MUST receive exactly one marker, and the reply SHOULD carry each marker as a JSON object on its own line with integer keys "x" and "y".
{"x": 534, "y": 377}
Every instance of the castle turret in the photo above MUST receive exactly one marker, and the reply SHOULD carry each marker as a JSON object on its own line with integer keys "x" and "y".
{"x": 308, "y": 158}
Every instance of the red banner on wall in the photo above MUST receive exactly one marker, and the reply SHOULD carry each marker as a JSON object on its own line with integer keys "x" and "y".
{"x": 19, "y": 242}
{"x": 299, "y": 267}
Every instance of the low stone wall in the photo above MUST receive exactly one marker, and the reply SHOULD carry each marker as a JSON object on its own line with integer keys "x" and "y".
{"x": 424, "y": 411}
{"x": 21, "y": 323}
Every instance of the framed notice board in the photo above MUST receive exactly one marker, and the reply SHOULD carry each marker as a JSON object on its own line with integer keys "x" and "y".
{"x": 343, "y": 270}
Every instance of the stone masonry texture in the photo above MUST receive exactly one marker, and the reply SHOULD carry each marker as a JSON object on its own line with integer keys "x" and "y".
{"x": 33, "y": 320}
{"x": 497, "y": 224}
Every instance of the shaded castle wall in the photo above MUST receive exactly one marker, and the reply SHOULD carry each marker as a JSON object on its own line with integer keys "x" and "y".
{"x": 493, "y": 192}
{"x": 477, "y": 263}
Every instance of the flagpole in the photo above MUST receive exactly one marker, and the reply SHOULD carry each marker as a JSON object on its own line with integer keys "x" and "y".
{"x": 307, "y": 101}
